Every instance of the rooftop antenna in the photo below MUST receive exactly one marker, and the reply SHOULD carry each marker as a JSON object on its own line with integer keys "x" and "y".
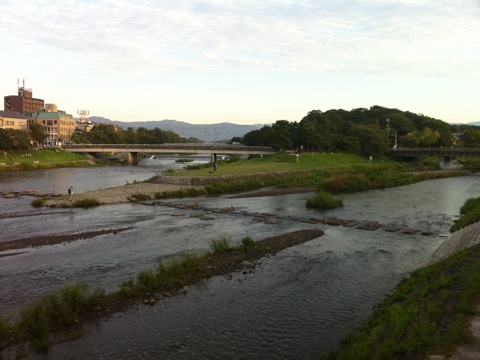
{"x": 83, "y": 115}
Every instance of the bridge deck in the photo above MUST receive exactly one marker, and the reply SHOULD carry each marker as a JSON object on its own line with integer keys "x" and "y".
{"x": 208, "y": 148}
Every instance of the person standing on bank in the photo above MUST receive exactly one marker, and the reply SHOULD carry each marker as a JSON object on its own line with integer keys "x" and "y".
{"x": 70, "y": 191}
{"x": 215, "y": 167}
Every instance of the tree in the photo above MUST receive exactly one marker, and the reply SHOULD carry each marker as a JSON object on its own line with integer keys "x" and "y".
{"x": 372, "y": 139}
{"x": 260, "y": 137}
{"x": 37, "y": 134}
{"x": 471, "y": 138}
{"x": 282, "y": 139}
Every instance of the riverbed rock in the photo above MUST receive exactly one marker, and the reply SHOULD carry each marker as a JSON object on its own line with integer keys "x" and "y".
{"x": 205, "y": 217}
{"x": 371, "y": 225}
{"x": 334, "y": 222}
{"x": 10, "y": 195}
{"x": 392, "y": 228}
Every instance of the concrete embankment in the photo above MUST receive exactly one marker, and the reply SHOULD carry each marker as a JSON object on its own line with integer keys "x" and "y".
{"x": 459, "y": 240}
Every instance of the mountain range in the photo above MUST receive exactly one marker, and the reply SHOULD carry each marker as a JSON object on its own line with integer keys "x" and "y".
{"x": 204, "y": 132}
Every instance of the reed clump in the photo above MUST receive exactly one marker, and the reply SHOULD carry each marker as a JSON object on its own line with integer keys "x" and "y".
{"x": 324, "y": 200}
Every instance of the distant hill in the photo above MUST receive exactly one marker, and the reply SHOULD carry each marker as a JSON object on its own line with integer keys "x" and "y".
{"x": 205, "y": 132}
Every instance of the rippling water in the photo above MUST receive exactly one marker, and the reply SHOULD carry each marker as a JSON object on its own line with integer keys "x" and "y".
{"x": 296, "y": 305}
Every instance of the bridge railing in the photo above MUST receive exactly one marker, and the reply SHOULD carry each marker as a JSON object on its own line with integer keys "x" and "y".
{"x": 453, "y": 151}
{"x": 173, "y": 146}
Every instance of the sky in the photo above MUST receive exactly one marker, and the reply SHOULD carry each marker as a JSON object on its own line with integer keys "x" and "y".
{"x": 243, "y": 61}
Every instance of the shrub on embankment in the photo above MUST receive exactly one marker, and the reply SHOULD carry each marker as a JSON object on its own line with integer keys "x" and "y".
{"x": 469, "y": 214}
{"x": 427, "y": 313}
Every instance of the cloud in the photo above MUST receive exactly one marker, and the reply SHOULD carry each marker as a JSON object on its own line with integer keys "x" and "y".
{"x": 418, "y": 38}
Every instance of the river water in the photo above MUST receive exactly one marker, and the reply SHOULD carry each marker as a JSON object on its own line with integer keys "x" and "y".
{"x": 296, "y": 305}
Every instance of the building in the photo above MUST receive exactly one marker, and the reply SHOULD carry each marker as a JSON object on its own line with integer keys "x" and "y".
{"x": 57, "y": 125}
{"x": 13, "y": 120}
{"x": 23, "y": 102}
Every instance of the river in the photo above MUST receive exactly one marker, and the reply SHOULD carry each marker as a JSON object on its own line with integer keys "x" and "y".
{"x": 296, "y": 305}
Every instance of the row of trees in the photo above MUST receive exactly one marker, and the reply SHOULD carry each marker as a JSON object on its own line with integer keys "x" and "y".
{"x": 363, "y": 131}
{"x": 104, "y": 134}
{"x": 11, "y": 139}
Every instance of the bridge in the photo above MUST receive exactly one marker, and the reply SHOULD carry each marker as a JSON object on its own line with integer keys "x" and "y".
{"x": 446, "y": 154}
{"x": 132, "y": 150}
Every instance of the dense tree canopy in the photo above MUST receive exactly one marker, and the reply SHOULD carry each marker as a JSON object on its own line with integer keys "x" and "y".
{"x": 104, "y": 134}
{"x": 364, "y": 131}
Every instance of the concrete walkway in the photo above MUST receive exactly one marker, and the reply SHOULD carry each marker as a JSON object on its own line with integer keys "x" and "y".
{"x": 459, "y": 240}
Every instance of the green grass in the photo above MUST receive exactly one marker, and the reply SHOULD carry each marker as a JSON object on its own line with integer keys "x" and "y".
{"x": 181, "y": 193}
{"x": 39, "y": 202}
{"x": 427, "y": 313}
{"x": 42, "y": 156}
{"x": 281, "y": 162}
{"x": 470, "y": 213}
{"x": 86, "y": 203}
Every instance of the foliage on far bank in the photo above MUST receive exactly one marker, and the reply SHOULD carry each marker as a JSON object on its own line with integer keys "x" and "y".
{"x": 428, "y": 313}
{"x": 469, "y": 213}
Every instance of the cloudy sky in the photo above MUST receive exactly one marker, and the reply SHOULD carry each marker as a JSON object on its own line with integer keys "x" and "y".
{"x": 244, "y": 61}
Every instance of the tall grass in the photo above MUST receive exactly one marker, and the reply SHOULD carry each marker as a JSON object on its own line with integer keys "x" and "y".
{"x": 426, "y": 314}
{"x": 470, "y": 213}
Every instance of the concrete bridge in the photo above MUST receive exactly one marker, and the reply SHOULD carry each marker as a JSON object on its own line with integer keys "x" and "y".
{"x": 446, "y": 154}
{"x": 132, "y": 150}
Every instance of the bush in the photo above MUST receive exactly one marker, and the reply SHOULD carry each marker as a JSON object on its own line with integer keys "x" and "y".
{"x": 220, "y": 246}
{"x": 38, "y": 202}
{"x": 141, "y": 197}
{"x": 86, "y": 203}
{"x": 248, "y": 243}
{"x": 324, "y": 200}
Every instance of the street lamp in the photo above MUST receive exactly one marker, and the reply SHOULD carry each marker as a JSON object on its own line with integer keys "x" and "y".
{"x": 213, "y": 136}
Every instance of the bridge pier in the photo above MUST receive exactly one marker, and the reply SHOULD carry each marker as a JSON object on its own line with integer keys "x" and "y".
{"x": 133, "y": 158}
{"x": 213, "y": 157}
{"x": 446, "y": 162}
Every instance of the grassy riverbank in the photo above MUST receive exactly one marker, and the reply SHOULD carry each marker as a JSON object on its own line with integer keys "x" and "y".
{"x": 44, "y": 159}
{"x": 427, "y": 314}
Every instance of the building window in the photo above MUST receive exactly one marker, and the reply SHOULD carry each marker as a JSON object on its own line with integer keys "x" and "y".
{"x": 11, "y": 123}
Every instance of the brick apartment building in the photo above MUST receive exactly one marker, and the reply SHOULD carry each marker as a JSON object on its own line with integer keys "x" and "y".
{"x": 57, "y": 124}
{"x": 23, "y": 103}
